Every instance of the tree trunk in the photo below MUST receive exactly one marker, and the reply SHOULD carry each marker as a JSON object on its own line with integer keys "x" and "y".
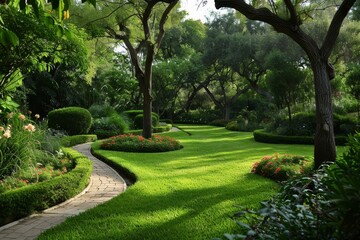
{"x": 227, "y": 110}
{"x": 325, "y": 148}
{"x": 147, "y": 88}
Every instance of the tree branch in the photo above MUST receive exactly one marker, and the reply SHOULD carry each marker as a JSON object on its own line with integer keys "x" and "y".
{"x": 334, "y": 27}
{"x": 163, "y": 20}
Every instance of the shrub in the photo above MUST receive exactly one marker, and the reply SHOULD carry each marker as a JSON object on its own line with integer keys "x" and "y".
{"x": 197, "y": 116}
{"x": 219, "y": 123}
{"x": 281, "y": 167}
{"x": 304, "y": 124}
{"x": 69, "y": 141}
{"x": 74, "y": 120}
{"x": 323, "y": 206}
{"x": 131, "y": 115}
{"x": 161, "y": 129}
{"x": 232, "y": 126}
{"x": 99, "y": 111}
{"x": 135, "y": 143}
{"x": 109, "y": 126}
{"x": 18, "y": 203}
{"x": 138, "y": 121}
{"x": 265, "y": 137}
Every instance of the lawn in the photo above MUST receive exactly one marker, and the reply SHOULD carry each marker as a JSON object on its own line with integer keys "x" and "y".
{"x": 185, "y": 194}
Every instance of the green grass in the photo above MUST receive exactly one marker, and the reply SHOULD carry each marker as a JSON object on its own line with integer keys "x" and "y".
{"x": 184, "y": 194}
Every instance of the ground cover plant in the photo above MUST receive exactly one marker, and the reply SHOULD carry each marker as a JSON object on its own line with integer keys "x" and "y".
{"x": 185, "y": 194}
{"x": 137, "y": 143}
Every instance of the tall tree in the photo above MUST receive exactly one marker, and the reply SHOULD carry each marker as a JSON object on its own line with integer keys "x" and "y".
{"x": 287, "y": 17}
{"x": 148, "y": 45}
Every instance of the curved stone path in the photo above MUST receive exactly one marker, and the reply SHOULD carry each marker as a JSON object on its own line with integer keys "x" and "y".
{"x": 105, "y": 183}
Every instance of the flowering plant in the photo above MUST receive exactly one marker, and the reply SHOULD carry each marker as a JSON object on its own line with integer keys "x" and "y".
{"x": 281, "y": 167}
{"x": 135, "y": 143}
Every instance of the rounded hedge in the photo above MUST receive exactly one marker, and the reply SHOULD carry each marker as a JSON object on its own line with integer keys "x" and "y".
{"x": 73, "y": 120}
{"x": 109, "y": 126}
{"x": 138, "y": 121}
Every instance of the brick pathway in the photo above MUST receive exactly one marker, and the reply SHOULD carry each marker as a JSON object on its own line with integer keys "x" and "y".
{"x": 105, "y": 184}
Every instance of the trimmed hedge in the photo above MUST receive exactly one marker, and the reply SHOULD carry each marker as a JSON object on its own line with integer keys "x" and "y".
{"x": 138, "y": 121}
{"x": 265, "y": 137}
{"x": 161, "y": 129}
{"x": 131, "y": 114}
{"x": 74, "y": 120}
{"x": 21, "y": 202}
{"x": 109, "y": 126}
{"x": 69, "y": 141}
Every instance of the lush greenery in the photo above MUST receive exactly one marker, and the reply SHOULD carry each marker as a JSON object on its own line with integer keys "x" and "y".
{"x": 136, "y": 143}
{"x": 265, "y": 137}
{"x": 322, "y": 206}
{"x": 282, "y": 167}
{"x": 23, "y": 201}
{"x": 72, "y": 120}
{"x": 186, "y": 194}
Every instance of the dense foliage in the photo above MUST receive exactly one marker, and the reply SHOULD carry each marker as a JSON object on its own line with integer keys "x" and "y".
{"x": 323, "y": 206}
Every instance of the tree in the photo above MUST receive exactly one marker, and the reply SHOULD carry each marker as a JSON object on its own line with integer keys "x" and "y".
{"x": 285, "y": 81}
{"x": 287, "y": 17}
{"x": 148, "y": 45}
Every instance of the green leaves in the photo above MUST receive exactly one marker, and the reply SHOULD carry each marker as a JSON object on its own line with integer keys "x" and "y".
{"x": 92, "y": 2}
{"x": 8, "y": 38}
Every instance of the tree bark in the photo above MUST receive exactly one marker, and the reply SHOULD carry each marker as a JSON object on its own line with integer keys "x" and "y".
{"x": 325, "y": 148}
{"x": 147, "y": 89}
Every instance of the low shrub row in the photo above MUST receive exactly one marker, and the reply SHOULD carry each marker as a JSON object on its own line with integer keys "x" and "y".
{"x": 21, "y": 202}
{"x": 136, "y": 143}
{"x": 265, "y": 137}
{"x": 69, "y": 141}
{"x": 164, "y": 128}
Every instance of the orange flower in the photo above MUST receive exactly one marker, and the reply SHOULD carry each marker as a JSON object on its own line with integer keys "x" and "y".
{"x": 30, "y": 128}
{"x": 22, "y": 117}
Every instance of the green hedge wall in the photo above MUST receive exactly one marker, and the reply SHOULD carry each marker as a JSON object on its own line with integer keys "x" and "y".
{"x": 262, "y": 136}
{"x": 21, "y": 202}
{"x": 69, "y": 141}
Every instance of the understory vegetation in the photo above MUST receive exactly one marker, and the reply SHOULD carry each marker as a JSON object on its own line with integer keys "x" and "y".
{"x": 323, "y": 205}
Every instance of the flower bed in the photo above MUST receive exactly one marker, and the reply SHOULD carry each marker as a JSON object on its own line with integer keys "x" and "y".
{"x": 282, "y": 167}
{"x": 135, "y": 143}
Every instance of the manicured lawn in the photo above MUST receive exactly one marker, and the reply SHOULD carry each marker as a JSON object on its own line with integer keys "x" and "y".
{"x": 185, "y": 194}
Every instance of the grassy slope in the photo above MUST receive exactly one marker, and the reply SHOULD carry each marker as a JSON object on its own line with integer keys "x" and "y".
{"x": 186, "y": 194}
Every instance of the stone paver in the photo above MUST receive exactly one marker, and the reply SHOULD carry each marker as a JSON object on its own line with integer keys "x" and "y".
{"x": 105, "y": 183}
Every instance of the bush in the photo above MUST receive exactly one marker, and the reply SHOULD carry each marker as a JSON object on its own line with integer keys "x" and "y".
{"x": 138, "y": 121}
{"x": 109, "y": 126}
{"x": 265, "y": 137}
{"x": 282, "y": 167}
{"x": 197, "y": 116}
{"x": 73, "y": 120}
{"x": 132, "y": 114}
{"x": 232, "y": 126}
{"x": 69, "y": 141}
{"x": 323, "y": 206}
{"x": 21, "y": 202}
{"x": 100, "y": 111}
{"x": 219, "y": 123}
{"x": 135, "y": 143}
{"x": 161, "y": 129}
{"x": 304, "y": 124}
